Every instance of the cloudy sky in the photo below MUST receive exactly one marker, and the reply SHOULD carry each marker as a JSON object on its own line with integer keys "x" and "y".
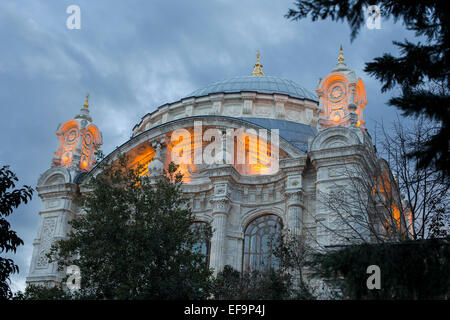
{"x": 133, "y": 56}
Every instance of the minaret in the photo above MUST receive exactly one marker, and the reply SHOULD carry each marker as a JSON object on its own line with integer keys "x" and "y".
{"x": 342, "y": 97}
{"x": 79, "y": 139}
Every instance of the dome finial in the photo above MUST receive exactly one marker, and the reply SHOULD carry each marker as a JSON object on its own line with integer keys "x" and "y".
{"x": 257, "y": 70}
{"x": 86, "y": 103}
{"x": 341, "y": 56}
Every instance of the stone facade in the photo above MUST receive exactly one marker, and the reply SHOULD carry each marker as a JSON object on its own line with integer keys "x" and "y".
{"x": 318, "y": 137}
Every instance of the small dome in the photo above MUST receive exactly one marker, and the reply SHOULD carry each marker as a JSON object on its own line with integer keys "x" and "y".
{"x": 260, "y": 84}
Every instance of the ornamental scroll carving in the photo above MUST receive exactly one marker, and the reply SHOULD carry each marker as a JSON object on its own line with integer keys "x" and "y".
{"x": 220, "y": 201}
{"x": 342, "y": 98}
{"x": 47, "y": 234}
{"x": 77, "y": 145}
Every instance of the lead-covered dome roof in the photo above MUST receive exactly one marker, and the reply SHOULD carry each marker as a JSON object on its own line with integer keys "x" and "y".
{"x": 260, "y": 84}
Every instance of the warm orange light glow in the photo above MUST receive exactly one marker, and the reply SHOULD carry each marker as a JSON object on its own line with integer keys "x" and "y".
{"x": 258, "y": 157}
{"x": 183, "y": 146}
{"x": 72, "y": 138}
{"x": 410, "y": 221}
{"x": 335, "y": 93}
{"x": 396, "y": 213}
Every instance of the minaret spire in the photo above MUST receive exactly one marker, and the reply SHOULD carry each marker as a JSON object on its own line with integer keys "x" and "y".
{"x": 86, "y": 103}
{"x": 340, "y": 65}
{"x": 84, "y": 111}
{"x": 341, "y": 56}
{"x": 257, "y": 70}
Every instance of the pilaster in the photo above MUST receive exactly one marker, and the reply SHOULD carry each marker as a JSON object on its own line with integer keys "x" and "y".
{"x": 220, "y": 203}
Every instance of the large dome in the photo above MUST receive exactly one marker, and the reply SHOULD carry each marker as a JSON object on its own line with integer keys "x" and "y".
{"x": 260, "y": 84}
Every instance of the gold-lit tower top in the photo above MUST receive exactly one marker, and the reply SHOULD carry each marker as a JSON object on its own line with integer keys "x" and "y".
{"x": 257, "y": 70}
{"x": 341, "y": 56}
{"x": 86, "y": 103}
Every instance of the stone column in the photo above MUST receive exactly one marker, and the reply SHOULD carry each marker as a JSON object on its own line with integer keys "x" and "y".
{"x": 294, "y": 211}
{"x": 294, "y": 195}
{"x": 221, "y": 207}
{"x": 294, "y": 215}
{"x": 218, "y": 241}
{"x": 322, "y": 213}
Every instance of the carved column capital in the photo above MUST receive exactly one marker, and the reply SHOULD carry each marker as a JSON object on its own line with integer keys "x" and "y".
{"x": 294, "y": 191}
{"x": 220, "y": 205}
{"x": 220, "y": 200}
{"x": 294, "y": 197}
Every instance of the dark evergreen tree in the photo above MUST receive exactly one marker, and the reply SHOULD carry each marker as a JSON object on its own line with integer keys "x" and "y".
{"x": 408, "y": 270}
{"x": 421, "y": 70}
{"x": 135, "y": 239}
{"x": 266, "y": 284}
{"x": 37, "y": 292}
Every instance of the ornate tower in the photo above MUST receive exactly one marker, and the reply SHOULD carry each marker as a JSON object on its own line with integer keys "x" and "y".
{"x": 342, "y": 151}
{"x": 342, "y": 97}
{"x": 78, "y": 139}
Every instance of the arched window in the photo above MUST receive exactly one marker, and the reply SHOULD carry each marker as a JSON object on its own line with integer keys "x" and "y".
{"x": 204, "y": 246}
{"x": 258, "y": 251}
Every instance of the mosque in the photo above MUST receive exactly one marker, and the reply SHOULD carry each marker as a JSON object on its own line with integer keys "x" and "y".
{"x": 274, "y": 189}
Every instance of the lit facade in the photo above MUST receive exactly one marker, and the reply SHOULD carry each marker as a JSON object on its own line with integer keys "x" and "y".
{"x": 319, "y": 134}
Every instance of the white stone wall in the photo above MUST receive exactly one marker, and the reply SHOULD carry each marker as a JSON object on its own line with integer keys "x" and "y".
{"x": 243, "y": 104}
{"x": 223, "y": 197}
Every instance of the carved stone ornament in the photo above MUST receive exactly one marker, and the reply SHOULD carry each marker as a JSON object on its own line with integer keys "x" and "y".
{"x": 48, "y": 230}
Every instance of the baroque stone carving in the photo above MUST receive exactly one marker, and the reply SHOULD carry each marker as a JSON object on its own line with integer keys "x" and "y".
{"x": 48, "y": 230}
{"x": 156, "y": 166}
{"x": 220, "y": 205}
{"x": 79, "y": 139}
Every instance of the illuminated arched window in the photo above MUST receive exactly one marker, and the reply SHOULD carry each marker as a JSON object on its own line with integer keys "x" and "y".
{"x": 203, "y": 246}
{"x": 258, "y": 251}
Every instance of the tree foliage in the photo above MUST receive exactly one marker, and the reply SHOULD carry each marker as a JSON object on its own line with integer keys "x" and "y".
{"x": 421, "y": 71}
{"x": 409, "y": 270}
{"x": 365, "y": 205}
{"x": 284, "y": 281}
{"x": 293, "y": 252}
{"x": 134, "y": 239}
{"x": 38, "y": 292}
{"x": 268, "y": 284}
{"x": 425, "y": 191}
{"x": 390, "y": 199}
{"x": 9, "y": 240}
